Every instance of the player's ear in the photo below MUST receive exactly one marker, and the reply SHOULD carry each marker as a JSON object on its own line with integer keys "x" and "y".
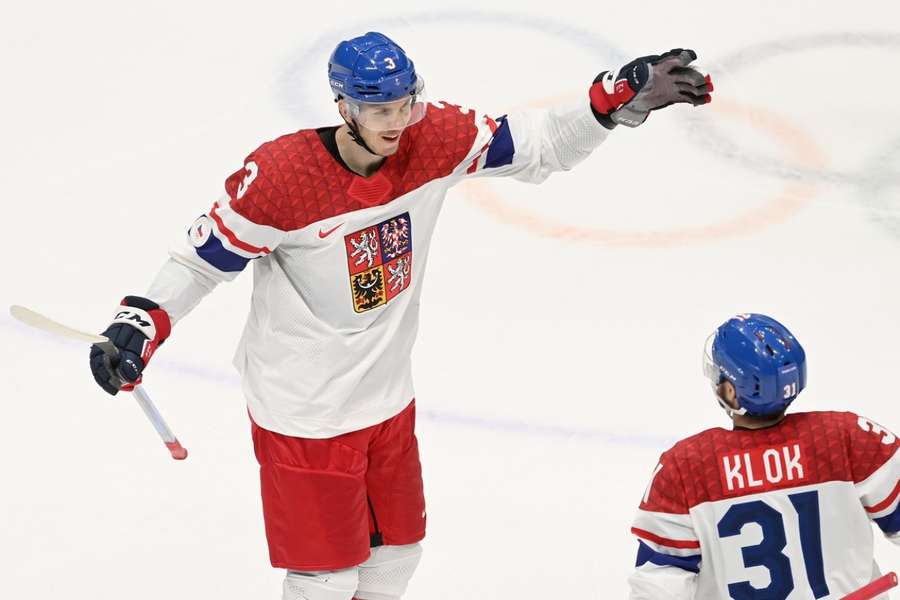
{"x": 342, "y": 108}
{"x": 727, "y": 393}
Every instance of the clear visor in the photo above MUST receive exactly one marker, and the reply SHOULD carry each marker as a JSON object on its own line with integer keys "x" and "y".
{"x": 710, "y": 370}
{"x": 390, "y": 116}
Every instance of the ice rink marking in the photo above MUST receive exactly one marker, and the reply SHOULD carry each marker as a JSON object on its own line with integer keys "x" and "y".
{"x": 753, "y": 56}
{"x": 802, "y": 148}
{"x": 444, "y": 418}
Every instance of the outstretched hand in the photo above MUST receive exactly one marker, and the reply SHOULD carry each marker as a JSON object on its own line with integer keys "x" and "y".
{"x": 626, "y": 96}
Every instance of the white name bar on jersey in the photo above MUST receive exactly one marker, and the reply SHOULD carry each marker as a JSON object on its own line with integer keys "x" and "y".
{"x": 762, "y": 469}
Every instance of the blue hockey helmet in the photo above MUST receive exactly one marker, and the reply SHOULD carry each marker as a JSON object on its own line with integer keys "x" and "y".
{"x": 371, "y": 69}
{"x": 761, "y": 358}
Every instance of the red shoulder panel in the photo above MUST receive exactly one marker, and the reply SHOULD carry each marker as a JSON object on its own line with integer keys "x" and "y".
{"x": 871, "y": 445}
{"x": 294, "y": 181}
{"x": 435, "y": 146}
{"x": 666, "y": 491}
{"x": 804, "y": 449}
{"x": 298, "y": 183}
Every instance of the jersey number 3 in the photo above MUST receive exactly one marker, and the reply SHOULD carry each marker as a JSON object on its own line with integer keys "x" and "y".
{"x": 252, "y": 171}
{"x": 769, "y": 552}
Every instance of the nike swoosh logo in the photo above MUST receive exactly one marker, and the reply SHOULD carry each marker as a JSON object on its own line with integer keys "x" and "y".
{"x": 325, "y": 234}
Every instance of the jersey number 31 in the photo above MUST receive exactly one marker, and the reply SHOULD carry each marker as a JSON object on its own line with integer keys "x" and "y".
{"x": 769, "y": 552}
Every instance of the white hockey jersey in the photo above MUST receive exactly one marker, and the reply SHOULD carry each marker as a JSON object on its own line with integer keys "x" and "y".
{"x": 339, "y": 258}
{"x": 782, "y": 513}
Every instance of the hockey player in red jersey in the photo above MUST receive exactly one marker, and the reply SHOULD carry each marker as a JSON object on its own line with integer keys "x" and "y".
{"x": 779, "y": 507}
{"x": 337, "y": 223}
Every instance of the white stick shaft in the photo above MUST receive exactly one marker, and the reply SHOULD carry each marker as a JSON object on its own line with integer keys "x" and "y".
{"x": 140, "y": 394}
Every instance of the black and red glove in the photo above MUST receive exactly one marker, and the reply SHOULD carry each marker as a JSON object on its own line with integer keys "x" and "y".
{"x": 626, "y": 96}
{"x": 137, "y": 330}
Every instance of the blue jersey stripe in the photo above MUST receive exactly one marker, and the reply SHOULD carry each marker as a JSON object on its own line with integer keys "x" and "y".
{"x": 890, "y": 523}
{"x": 213, "y": 252}
{"x": 502, "y": 148}
{"x": 647, "y": 554}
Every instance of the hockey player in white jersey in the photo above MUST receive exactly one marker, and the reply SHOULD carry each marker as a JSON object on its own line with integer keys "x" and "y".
{"x": 337, "y": 223}
{"x": 781, "y": 506}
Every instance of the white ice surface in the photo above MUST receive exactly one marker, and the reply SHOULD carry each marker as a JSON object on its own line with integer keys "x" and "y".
{"x": 562, "y": 326}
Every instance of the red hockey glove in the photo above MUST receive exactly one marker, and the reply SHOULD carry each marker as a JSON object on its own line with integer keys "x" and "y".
{"x": 648, "y": 83}
{"x": 137, "y": 330}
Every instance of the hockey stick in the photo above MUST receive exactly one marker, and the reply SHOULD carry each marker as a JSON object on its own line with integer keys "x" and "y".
{"x": 39, "y": 321}
{"x": 878, "y": 586}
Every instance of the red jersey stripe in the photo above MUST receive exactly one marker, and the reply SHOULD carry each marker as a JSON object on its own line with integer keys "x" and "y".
{"x": 665, "y": 541}
{"x": 232, "y": 237}
{"x": 886, "y": 502}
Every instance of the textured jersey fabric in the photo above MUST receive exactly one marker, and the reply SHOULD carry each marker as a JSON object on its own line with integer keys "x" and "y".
{"x": 338, "y": 259}
{"x": 783, "y": 512}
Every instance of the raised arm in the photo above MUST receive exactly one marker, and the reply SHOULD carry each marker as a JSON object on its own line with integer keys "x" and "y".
{"x": 529, "y": 145}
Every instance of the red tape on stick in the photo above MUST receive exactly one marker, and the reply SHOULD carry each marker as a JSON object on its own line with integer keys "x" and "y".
{"x": 177, "y": 450}
{"x": 879, "y": 586}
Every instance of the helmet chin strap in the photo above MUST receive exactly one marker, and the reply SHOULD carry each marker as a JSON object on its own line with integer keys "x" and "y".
{"x": 357, "y": 137}
{"x": 728, "y": 409}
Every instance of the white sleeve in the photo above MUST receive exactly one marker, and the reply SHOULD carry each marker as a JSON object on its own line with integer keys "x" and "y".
{"x": 217, "y": 246}
{"x": 178, "y": 288}
{"x": 669, "y": 556}
{"x": 880, "y": 497}
{"x": 655, "y": 582}
{"x": 529, "y": 145}
{"x": 875, "y": 463}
